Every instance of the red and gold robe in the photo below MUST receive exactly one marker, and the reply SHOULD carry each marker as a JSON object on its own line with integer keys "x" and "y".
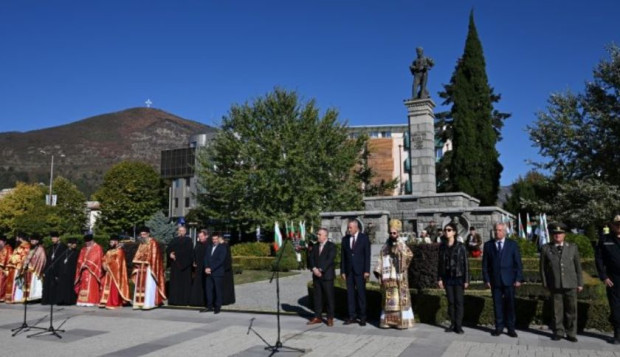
{"x": 34, "y": 275}
{"x": 15, "y": 265}
{"x": 115, "y": 283}
{"x": 148, "y": 258}
{"x": 5, "y": 255}
{"x": 88, "y": 276}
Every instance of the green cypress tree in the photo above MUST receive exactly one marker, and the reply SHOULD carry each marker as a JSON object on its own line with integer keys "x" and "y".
{"x": 473, "y": 126}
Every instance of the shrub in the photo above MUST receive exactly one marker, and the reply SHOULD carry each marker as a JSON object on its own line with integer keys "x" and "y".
{"x": 253, "y": 263}
{"x": 583, "y": 243}
{"x": 527, "y": 248}
{"x": 251, "y": 249}
{"x": 288, "y": 260}
{"x": 423, "y": 267}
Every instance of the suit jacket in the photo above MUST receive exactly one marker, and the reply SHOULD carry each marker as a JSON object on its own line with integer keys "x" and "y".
{"x": 216, "y": 260}
{"x": 324, "y": 261}
{"x": 608, "y": 258}
{"x": 560, "y": 271}
{"x": 502, "y": 269}
{"x": 357, "y": 260}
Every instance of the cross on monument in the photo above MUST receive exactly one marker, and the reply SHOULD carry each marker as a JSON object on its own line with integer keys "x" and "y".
{"x": 148, "y": 103}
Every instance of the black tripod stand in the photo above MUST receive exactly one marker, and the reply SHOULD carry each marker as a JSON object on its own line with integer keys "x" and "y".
{"x": 51, "y": 330}
{"x": 278, "y": 346}
{"x": 26, "y": 289}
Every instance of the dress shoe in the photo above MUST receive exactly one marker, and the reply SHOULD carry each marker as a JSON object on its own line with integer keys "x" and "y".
{"x": 459, "y": 331}
{"x": 216, "y": 311}
{"x": 363, "y": 322}
{"x": 314, "y": 321}
{"x": 330, "y": 322}
{"x": 349, "y": 322}
{"x": 496, "y": 333}
{"x": 512, "y": 333}
{"x": 556, "y": 337}
{"x": 207, "y": 309}
{"x": 449, "y": 329}
{"x": 571, "y": 338}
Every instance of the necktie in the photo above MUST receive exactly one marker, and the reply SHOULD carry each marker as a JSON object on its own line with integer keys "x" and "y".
{"x": 499, "y": 246}
{"x": 353, "y": 242}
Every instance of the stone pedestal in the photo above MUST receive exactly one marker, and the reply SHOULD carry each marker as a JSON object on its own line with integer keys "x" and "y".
{"x": 422, "y": 146}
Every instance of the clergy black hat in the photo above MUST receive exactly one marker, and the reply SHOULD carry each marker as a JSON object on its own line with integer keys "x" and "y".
{"x": 72, "y": 240}
{"x": 145, "y": 229}
{"x": 88, "y": 237}
{"x": 54, "y": 234}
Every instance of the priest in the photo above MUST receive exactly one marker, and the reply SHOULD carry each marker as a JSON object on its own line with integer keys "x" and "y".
{"x": 180, "y": 259}
{"x": 148, "y": 273}
{"x": 5, "y": 254}
{"x": 36, "y": 266}
{"x": 55, "y": 253}
{"x": 88, "y": 273}
{"x": 15, "y": 279}
{"x": 65, "y": 289}
{"x": 115, "y": 283}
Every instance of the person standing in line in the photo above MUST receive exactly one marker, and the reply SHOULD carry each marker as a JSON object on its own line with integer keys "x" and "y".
{"x": 148, "y": 273}
{"x": 36, "y": 267}
{"x": 214, "y": 269}
{"x": 115, "y": 282}
{"x": 608, "y": 267}
{"x": 453, "y": 276}
{"x": 180, "y": 254}
{"x": 198, "y": 296}
{"x": 50, "y": 281}
{"x": 5, "y": 254}
{"x": 355, "y": 270}
{"x": 560, "y": 270}
{"x": 88, "y": 274}
{"x": 502, "y": 272}
{"x": 321, "y": 261}
{"x": 65, "y": 292}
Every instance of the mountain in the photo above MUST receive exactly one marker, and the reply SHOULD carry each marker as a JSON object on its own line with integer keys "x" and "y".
{"x": 92, "y": 145}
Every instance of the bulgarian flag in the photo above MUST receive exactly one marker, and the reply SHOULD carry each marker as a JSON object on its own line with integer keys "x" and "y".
{"x": 302, "y": 230}
{"x": 521, "y": 230}
{"x": 277, "y": 237}
{"x": 528, "y": 225}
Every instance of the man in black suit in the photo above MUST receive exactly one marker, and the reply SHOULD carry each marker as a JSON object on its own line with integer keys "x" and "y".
{"x": 355, "y": 269}
{"x": 323, "y": 273}
{"x": 502, "y": 271}
{"x": 180, "y": 259}
{"x": 214, "y": 269}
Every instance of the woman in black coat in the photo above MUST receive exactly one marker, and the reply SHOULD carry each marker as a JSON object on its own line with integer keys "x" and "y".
{"x": 453, "y": 275}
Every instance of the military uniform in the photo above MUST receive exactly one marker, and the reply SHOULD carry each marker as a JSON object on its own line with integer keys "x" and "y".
{"x": 560, "y": 269}
{"x": 608, "y": 266}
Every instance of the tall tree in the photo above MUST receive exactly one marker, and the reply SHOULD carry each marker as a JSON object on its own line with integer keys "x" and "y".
{"x": 129, "y": 196}
{"x": 473, "y": 125}
{"x": 16, "y": 209}
{"x": 278, "y": 159}
{"x": 70, "y": 206}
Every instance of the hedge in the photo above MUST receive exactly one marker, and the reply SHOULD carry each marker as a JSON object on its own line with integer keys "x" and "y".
{"x": 430, "y": 306}
{"x": 251, "y": 249}
{"x": 253, "y": 263}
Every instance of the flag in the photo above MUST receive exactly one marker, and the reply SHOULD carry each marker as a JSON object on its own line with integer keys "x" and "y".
{"x": 521, "y": 230}
{"x": 542, "y": 231}
{"x": 528, "y": 225}
{"x": 302, "y": 230}
{"x": 277, "y": 237}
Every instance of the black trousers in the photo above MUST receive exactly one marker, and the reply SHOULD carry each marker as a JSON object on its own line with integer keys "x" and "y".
{"x": 323, "y": 289}
{"x": 455, "y": 295}
{"x": 613, "y": 296}
{"x": 214, "y": 291}
{"x": 356, "y": 296}
{"x": 504, "y": 307}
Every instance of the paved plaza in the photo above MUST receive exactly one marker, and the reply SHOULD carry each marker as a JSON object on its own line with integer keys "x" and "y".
{"x": 168, "y": 332}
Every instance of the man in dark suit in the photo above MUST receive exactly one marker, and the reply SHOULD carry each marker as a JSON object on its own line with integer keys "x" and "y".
{"x": 608, "y": 267}
{"x": 323, "y": 273}
{"x": 215, "y": 258}
{"x": 560, "y": 269}
{"x": 502, "y": 271}
{"x": 355, "y": 269}
{"x": 180, "y": 259}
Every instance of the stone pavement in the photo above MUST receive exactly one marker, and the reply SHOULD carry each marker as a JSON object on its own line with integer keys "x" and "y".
{"x": 165, "y": 332}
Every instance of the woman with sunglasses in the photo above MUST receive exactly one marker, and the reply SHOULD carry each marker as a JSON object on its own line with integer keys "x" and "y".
{"x": 453, "y": 275}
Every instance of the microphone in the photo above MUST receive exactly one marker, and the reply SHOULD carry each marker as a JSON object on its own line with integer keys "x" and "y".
{"x": 250, "y": 327}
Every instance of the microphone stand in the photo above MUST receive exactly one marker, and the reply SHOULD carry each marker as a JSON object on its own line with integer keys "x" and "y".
{"x": 26, "y": 289}
{"x": 276, "y": 273}
{"x": 51, "y": 330}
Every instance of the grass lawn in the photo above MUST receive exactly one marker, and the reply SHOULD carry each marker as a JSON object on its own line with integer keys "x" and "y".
{"x": 250, "y": 276}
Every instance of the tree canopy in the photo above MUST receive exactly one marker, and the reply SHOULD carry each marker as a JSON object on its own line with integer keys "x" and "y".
{"x": 279, "y": 159}
{"x": 579, "y": 135}
{"x": 129, "y": 196}
{"x": 473, "y": 125}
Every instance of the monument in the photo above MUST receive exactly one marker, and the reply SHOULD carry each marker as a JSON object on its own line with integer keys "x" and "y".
{"x": 421, "y": 203}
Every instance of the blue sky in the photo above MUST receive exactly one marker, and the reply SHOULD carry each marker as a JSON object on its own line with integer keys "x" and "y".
{"x": 67, "y": 60}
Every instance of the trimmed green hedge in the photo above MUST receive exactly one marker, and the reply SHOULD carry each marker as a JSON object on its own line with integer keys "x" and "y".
{"x": 252, "y": 249}
{"x": 253, "y": 263}
{"x": 430, "y": 306}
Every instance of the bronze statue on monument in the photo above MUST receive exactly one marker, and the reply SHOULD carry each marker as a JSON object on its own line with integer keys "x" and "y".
{"x": 419, "y": 68}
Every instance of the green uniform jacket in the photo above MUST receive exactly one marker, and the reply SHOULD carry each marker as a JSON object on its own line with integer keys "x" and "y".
{"x": 560, "y": 271}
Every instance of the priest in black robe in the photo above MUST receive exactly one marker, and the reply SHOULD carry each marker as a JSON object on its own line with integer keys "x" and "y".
{"x": 55, "y": 253}
{"x": 228, "y": 283}
{"x": 180, "y": 253}
{"x": 67, "y": 265}
{"x": 198, "y": 296}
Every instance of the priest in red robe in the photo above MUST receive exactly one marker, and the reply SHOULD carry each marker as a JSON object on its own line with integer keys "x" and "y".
{"x": 115, "y": 283}
{"x": 88, "y": 275}
{"x": 15, "y": 277}
{"x": 5, "y": 253}
{"x": 148, "y": 273}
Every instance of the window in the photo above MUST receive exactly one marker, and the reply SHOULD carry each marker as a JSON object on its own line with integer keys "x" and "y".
{"x": 176, "y": 203}
{"x": 386, "y": 134}
{"x": 188, "y": 181}
{"x": 186, "y": 201}
{"x": 374, "y": 134}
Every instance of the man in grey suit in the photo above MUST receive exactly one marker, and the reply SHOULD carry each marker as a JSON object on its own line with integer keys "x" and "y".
{"x": 560, "y": 269}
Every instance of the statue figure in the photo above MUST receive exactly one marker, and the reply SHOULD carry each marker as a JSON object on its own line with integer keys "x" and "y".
{"x": 419, "y": 68}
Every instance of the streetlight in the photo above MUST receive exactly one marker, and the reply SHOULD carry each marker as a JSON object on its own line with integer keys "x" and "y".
{"x": 400, "y": 172}
{"x": 51, "y": 201}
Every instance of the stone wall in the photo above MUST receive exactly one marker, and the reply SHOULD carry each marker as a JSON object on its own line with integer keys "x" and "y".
{"x": 374, "y": 223}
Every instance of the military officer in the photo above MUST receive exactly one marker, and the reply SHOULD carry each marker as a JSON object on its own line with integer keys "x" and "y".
{"x": 608, "y": 266}
{"x": 560, "y": 269}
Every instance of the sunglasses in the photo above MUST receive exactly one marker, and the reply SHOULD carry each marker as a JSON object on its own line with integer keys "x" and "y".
{"x": 393, "y": 233}
{"x": 448, "y": 230}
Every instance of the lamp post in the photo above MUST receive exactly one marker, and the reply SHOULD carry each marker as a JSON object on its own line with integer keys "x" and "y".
{"x": 51, "y": 201}
{"x": 400, "y": 171}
